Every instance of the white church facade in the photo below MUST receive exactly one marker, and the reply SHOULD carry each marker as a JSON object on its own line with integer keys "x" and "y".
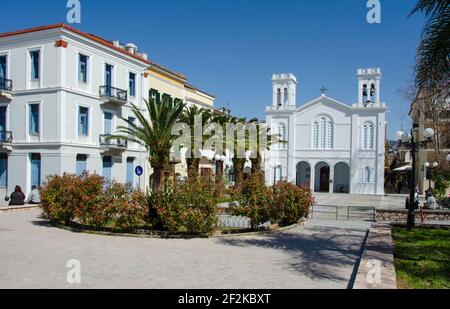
{"x": 331, "y": 146}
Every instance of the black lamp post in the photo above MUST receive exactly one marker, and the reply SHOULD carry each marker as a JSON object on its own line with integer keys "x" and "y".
{"x": 409, "y": 141}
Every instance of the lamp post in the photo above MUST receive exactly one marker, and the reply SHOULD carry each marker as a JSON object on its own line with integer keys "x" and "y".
{"x": 409, "y": 141}
{"x": 431, "y": 169}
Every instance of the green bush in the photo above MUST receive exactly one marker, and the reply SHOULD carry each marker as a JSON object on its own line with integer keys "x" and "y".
{"x": 91, "y": 209}
{"x": 187, "y": 207}
{"x": 442, "y": 183}
{"x": 254, "y": 201}
{"x": 60, "y": 197}
{"x": 126, "y": 208}
{"x": 291, "y": 203}
{"x": 83, "y": 199}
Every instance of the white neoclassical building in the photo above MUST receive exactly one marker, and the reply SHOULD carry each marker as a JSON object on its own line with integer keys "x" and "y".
{"x": 331, "y": 146}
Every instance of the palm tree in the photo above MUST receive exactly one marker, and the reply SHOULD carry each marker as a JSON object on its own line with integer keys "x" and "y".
{"x": 432, "y": 68}
{"x": 188, "y": 118}
{"x": 259, "y": 144}
{"x": 153, "y": 133}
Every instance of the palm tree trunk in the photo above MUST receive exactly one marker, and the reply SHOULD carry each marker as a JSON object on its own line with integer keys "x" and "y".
{"x": 256, "y": 164}
{"x": 157, "y": 178}
{"x": 238, "y": 172}
{"x": 193, "y": 166}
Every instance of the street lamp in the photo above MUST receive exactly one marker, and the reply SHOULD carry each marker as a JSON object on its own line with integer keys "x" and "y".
{"x": 409, "y": 141}
{"x": 430, "y": 169}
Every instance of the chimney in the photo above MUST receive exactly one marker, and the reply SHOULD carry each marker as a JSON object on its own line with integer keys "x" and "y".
{"x": 131, "y": 48}
{"x": 145, "y": 56}
{"x": 116, "y": 43}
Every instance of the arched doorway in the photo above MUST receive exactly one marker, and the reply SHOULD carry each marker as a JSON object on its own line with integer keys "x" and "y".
{"x": 303, "y": 174}
{"x": 322, "y": 177}
{"x": 342, "y": 178}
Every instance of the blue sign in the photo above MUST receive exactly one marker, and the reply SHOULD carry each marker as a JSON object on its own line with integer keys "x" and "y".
{"x": 139, "y": 170}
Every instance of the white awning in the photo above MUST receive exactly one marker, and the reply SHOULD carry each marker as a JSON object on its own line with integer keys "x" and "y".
{"x": 403, "y": 168}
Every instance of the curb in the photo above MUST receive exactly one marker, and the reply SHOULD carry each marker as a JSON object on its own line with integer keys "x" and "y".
{"x": 376, "y": 269}
{"x": 166, "y": 235}
{"x": 18, "y": 208}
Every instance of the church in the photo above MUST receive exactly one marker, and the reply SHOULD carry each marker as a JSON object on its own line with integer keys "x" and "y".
{"x": 329, "y": 146}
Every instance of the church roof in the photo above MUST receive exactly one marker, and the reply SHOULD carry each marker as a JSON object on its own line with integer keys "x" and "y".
{"x": 320, "y": 99}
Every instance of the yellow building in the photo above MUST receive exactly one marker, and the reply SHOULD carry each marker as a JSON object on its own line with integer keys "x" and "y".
{"x": 163, "y": 81}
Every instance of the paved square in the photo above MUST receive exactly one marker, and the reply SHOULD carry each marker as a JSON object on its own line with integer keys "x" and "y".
{"x": 33, "y": 255}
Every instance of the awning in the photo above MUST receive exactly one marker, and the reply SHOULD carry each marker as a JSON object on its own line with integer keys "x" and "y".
{"x": 403, "y": 168}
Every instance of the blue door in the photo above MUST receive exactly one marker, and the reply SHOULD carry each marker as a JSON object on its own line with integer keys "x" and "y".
{"x": 35, "y": 169}
{"x": 81, "y": 164}
{"x": 3, "y": 170}
{"x": 130, "y": 171}
{"x": 108, "y": 123}
{"x": 107, "y": 168}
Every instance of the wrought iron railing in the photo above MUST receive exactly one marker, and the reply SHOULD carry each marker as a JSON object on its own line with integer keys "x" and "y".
{"x": 6, "y": 84}
{"x": 106, "y": 140}
{"x": 114, "y": 93}
{"x": 6, "y": 137}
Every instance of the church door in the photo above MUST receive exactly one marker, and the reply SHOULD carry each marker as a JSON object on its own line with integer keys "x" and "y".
{"x": 325, "y": 179}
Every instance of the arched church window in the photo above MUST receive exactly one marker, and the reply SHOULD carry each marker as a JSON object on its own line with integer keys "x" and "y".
{"x": 323, "y": 133}
{"x": 316, "y": 135}
{"x": 372, "y": 93}
{"x": 279, "y": 97}
{"x": 286, "y": 96}
{"x": 368, "y": 136}
{"x": 367, "y": 175}
{"x": 283, "y": 136}
{"x": 365, "y": 93}
{"x": 330, "y": 134}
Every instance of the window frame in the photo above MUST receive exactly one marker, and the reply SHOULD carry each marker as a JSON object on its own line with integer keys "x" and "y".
{"x": 37, "y": 122}
{"x": 80, "y": 130}
{"x": 83, "y": 79}
{"x": 37, "y": 52}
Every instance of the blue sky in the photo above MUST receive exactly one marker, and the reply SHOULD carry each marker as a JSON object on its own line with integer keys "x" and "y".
{"x": 231, "y": 47}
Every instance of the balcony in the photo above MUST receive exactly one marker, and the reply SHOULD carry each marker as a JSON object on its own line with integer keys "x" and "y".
{"x": 108, "y": 144}
{"x": 110, "y": 94}
{"x": 6, "y": 88}
{"x": 6, "y": 137}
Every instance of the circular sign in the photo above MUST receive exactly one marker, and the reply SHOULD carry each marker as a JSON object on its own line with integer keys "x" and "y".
{"x": 139, "y": 170}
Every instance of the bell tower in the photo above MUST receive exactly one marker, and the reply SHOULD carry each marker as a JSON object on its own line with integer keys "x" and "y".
{"x": 284, "y": 91}
{"x": 369, "y": 81}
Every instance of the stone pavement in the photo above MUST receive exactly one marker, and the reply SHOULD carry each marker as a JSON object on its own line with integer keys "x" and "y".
{"x": 321, "y": 255}
{"x": 377, "y": 201}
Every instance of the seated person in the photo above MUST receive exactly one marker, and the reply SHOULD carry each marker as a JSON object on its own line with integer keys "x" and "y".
{"x": 17, "y": 197}
{"x": 35, "y": 196}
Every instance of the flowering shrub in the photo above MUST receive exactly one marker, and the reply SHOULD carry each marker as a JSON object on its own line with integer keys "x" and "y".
{"x": 255, "y": 201}
{"x": 83, "y": 199}
{"x": 187, "y": 207}
{"x": 91, "y": 210}
{"x": 291, "y": 203}
{"x": 60, "y": 197}
{"x": 125, "y": 207}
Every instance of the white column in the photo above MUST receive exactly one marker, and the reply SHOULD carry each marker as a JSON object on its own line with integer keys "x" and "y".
{"x": 313, "y": 178}
{"x": 331, "y": 179}
{"x": 377, "y": 93}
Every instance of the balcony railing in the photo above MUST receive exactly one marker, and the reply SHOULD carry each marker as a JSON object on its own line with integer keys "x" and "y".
{"x": 6, "y": 84}
{"x": 6, "y": 137}
{"x": 107, "y": 142}
{"x": 111, "y": 94}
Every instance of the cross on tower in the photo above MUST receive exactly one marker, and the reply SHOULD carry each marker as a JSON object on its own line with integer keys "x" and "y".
{"x": 323, "y": 90}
